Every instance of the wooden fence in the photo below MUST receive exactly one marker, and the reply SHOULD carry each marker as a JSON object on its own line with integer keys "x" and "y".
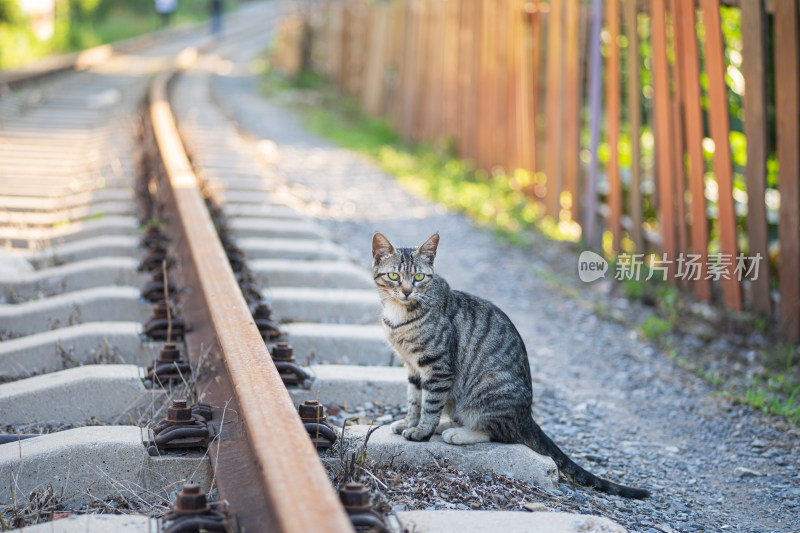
{"x": 615, "y": 108}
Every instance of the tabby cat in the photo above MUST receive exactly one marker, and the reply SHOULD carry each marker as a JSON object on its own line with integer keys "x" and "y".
{"x": 468, "y": 371}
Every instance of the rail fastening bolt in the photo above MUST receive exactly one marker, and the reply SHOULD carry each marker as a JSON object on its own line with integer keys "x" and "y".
{"x": 311, "y": 411}
{"x": 283, "y": 352}
{"x": 355, "y": 498}
{"x": 179, "y": 411}
{"x": 191, "y": 498}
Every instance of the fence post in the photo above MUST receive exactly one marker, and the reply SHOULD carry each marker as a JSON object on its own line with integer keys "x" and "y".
{"x": 720, "y": 130}
{"x": 754, "y": 60}
{"x": 634, "y": 93}
{"x": 613, "y": 104}
{"x": 787, "y": 112}
{"x": 572, "y": 106}
{"x": 686, "y": 22}
{"x": 555, "y": 101}
{"x": 664, "y": 138}
{"x": 591, "y": 233}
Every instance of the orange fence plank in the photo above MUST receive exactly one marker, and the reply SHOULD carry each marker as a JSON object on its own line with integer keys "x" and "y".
{"x": 720, "y": 129}
{"x": 663, "y": 125}
{"x": 475, "y": 88}
{"x": 685, "y": 18}
{"x": 421, "y": 90}
{"x": 555, "y": 101}
{"x": 534, "y": 55}
{"x": 520, "y": 19}
{"x": 613, "y": 104}
{"x": 754, "y": 60}
{"x": 678, "y": 181}
{"x": 374, "y": 87}
{"x": 572, "y": 105}
{"x": 634, "y": 95}
{"x": 451, "y": 65}
{"x": 787, "y": 112}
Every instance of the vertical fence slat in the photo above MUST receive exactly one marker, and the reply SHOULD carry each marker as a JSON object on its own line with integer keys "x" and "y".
{"x": 522, "y": 55}
{"x": 466, "y": 85}
{"x": 376, "y": 59}
{"x": 421, "y": 94}
{"x": 678, "y": 181}
{"x": 501, "y": 74}
{"x": 720, "y": 130}
{"x": 555, "y": 124}
{"x": 590, "y": 233}
{"x": 663, "y": 133}
{"x": 754, "y": 60}
{"x": 613, "y": 104}
{"x": 451, "y": 66}
{"x": 407, "y": 71}
{"x": 572, "y": 105}
{"x": 534, "y": 53}
{"x": 514, "y": 111}
{"x": 685, "y": 18}
{"x": 399, "y": 22}
{"x": 787, "y": 112}
{"x": 634, "y": 95}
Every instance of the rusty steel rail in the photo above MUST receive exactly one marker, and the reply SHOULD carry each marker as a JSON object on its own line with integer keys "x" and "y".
{"x": 294, "y": 492}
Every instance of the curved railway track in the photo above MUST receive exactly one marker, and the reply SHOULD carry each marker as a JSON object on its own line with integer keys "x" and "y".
{"x": 134, "y": 340}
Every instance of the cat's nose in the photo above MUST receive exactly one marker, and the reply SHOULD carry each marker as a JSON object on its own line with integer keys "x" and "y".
{"x": 406, "y": 292}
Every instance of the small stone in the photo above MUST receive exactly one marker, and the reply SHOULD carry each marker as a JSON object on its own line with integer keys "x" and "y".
{"x": 334, "y": 409}
{"x": 535, "y": 507}
{"x": 475, "y": 505}
{"x": 743, "y": 472}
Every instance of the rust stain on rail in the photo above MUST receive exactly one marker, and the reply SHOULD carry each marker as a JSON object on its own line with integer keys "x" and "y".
{"x": 298, "y": 492}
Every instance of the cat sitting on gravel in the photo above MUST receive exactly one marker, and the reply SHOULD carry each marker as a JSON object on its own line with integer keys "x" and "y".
{"x": 468, "y": 371}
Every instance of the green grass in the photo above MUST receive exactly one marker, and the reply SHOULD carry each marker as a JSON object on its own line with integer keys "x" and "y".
{"x": 778, "y": 390}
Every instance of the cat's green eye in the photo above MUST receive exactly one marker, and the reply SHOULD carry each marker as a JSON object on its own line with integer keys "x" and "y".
{"x": 419, "y": 277}
{"x": 393, "y": 276}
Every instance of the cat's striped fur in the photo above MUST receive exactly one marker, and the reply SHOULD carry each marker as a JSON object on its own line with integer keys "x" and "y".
{"x": 469, "y": 376}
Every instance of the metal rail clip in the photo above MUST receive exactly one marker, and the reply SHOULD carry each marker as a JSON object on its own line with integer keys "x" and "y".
{"x": 158, "y": 325}
{"x": 154, "y": 290}
{"x": 184, "y": 427}
{"x": 291, "y": 373}
{"x": 169, "y": 367}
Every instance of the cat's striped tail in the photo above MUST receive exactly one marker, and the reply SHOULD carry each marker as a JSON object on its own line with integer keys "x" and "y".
{"x": 538, "y": 441}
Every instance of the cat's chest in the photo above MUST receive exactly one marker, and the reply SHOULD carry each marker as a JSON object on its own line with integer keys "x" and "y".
{"x": 402, "y": 331}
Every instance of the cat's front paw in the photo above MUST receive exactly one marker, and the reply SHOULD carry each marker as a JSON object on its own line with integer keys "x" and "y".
{"x": 463, "y": 435}
{"x": 399, "y": 426}
{"x": 416, "y": 434}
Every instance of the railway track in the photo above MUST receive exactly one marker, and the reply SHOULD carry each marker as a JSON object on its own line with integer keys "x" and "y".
{"x": 141, "y": 366}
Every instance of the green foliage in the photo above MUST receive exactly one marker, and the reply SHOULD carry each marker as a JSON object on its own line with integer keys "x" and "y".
{"x": 9, "y": 11}
{"x": 654, "y": 328}
{"x": 82, "y": 24}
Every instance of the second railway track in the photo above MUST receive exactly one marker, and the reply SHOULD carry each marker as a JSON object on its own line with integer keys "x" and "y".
{"x": 119, "y": 384}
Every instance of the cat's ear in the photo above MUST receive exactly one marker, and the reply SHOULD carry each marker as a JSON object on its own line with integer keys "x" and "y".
{"x": 427, "y": 250}
{"x": 381, "y": 247}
